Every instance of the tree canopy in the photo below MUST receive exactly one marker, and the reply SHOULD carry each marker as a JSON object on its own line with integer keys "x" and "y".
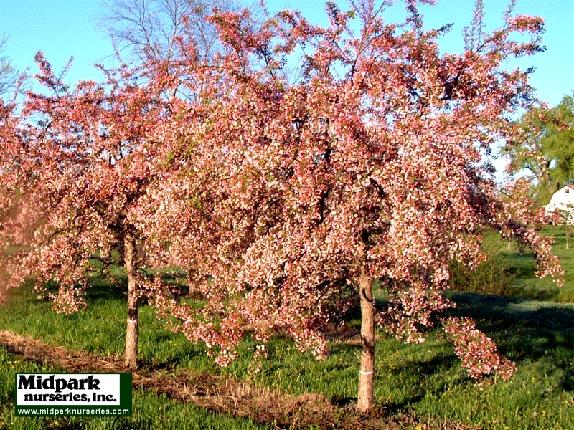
{"x": 545, "y": 147}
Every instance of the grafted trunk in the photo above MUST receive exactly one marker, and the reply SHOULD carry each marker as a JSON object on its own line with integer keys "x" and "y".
{"x": 365, "y": 400}
{"x": 131, "y": 352}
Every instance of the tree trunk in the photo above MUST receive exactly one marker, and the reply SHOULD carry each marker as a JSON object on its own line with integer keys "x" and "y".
{"x": 365, "y": 401}
{"x": 131, "y": 353}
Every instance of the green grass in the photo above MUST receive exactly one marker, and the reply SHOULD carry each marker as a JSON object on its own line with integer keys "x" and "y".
{"x": 510, "y": 270}
{"x": 424, "y": 379}
{"x": 524, "y": 266}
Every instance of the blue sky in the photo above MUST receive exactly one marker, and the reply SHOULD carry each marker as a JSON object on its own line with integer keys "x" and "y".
{"x": 65, "y": 28}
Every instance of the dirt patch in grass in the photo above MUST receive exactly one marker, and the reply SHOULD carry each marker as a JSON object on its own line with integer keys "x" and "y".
{"x": 221, "y": 393}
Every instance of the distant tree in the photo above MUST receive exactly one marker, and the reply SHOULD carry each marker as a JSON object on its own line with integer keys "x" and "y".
{"x": 545, "y": 147}
{"x": 8, "y": 74}
{"x": 290, "y": 199}
{"x": 151, "y": 29}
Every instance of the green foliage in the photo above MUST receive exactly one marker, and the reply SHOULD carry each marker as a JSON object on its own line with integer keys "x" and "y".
{"x": 546, "y": 147}
{"x": 510, "y": 268}
{"x": 493, "y": 276}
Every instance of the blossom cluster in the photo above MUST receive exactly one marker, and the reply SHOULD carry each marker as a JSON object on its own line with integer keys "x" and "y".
{"x": 478, "y": 352}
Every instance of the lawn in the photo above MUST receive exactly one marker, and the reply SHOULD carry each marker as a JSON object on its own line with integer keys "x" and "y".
{"x": 423, "y": 380}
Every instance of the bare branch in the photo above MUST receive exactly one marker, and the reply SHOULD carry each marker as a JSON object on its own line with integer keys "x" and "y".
{"x": 148, "y": 29}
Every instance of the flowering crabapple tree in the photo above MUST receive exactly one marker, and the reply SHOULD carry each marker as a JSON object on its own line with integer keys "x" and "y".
{"x": 289, "y": 197}
{"x": 78, "y": 161}
{"x": 8, "y": 193}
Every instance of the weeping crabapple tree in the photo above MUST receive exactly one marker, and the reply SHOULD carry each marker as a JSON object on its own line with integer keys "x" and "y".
{"x": 288, "y": 197}
{"x": 74, "y": 164}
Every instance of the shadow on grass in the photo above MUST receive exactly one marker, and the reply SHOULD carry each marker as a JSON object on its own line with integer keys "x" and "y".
{"x": 424, "y": 370}
{"x": 522, "y": 267}
{"x": 536, "y": 335}
{"x": 114, "y": 286}
{"x": 54, "y": 423}
{"x": 525, "y": 330}
{"x": 106, "y": 291}
{"x": 118, "y": 423}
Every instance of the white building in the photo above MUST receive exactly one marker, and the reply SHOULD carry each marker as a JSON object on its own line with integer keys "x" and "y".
{"x": 563, "y": 201}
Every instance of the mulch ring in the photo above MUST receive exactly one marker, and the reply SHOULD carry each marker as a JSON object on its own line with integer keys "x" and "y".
{"x": 219, "y": 393}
